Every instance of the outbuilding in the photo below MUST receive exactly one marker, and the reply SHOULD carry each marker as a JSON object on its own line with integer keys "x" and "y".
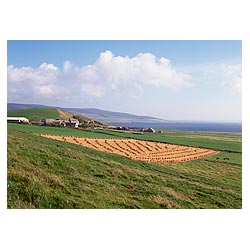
{"x": 151, "y": 130}
{"x": 72, "y": 123}
{"x": 17, "y": 120}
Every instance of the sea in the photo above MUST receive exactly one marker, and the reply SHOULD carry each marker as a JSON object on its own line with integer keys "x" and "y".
{"x": 187, "y": 126}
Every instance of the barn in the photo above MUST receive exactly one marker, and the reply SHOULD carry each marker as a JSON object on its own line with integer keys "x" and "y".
{"x": 17, "y": 120}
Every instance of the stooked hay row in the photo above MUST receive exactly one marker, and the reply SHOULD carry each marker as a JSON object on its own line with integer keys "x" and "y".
{"x": 139, "y": 149}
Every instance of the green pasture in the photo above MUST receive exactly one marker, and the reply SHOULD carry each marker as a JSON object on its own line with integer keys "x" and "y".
{"x": 35, "y": 114}
{"x": 45, "y": 173}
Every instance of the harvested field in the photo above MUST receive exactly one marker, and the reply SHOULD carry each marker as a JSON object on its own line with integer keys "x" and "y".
{"x": 140, "y": 150}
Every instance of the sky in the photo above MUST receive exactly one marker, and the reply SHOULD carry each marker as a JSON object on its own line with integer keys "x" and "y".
{"x": 173, "y": 80}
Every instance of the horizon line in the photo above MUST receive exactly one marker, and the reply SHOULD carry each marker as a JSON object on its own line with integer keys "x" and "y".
{"x": 174, "y": 120}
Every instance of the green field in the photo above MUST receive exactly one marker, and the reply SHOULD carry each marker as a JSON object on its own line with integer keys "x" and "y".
{"x": 44, "y": 173}
{"x": 212, "y": 141}
{"x": 35, "y": 114}
{"x": 60, "y": 131}
{"x": 228, "y": 141}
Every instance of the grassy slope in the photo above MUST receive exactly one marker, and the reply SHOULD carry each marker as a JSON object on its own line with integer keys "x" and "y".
{"x": 60, "y": 131}
{"x": 44, "y": 173}
{"x": 64, "y": 115}
{"x": 35, "y": 113}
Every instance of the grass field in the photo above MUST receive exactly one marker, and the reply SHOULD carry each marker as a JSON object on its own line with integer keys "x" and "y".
{"x": 212, "y": 141}
{"x": 45, "y": 173}
{"x": 226, "y": 141}
{"x": 35, "y": 114}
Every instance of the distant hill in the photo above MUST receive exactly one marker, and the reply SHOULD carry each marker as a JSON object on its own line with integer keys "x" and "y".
{"x": 114, "y": 117}
{"x": 15, "y": 106}
{"x": 36, "y": 114}
{"x": 96, "y": 114}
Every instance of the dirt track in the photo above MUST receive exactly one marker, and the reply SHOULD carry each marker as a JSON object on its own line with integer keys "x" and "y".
{"x": 140, "y": 150}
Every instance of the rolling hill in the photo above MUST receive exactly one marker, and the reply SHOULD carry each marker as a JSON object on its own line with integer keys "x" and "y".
{"x": 96, "y": 114}
{"x": 35, "y": 114}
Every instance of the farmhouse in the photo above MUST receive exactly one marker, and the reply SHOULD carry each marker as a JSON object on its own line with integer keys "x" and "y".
{"x": 38, "y": 123}
{"x": 72, "y": 123}
{"x": 48, "y": 121}
{"x": 17, "y": 120}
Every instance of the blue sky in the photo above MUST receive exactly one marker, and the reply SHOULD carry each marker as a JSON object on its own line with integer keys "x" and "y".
{"x": 174, "y": 80}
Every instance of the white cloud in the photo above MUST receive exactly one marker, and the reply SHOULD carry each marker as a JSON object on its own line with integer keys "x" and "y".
{"x": 27, "y": 83}
{"x": 92, "y": 90}
{"x": 46, "y": 73}
{"x": 48, "y": 67}
{"x": 232, "y": 74}
{"x": 110, "y": 74}
{"x": 144, "y": 69}
{"x": 67, "y": 66}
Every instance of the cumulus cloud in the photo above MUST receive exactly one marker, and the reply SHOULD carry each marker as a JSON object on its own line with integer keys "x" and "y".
{"x": 67, "y": 66}
{"x": 28, "y": 82}
{"x": 92, "y": 90}
{"x": 232, "y": 75}
{"x": 110, "y": 74}
{"x": 143, "y": 69}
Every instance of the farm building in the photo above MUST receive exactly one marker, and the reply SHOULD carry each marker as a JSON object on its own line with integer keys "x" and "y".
{"x": 17, "y": 120}
{"x": 151, "y": 130}
{"x": 72, "y": 123}
{"x": 38, "y": 123}
{"x": 48, "y": 121}
{"x": 59, "y": 122}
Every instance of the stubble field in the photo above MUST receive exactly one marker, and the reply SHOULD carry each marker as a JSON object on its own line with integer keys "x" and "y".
{"x": 140, "y": 150}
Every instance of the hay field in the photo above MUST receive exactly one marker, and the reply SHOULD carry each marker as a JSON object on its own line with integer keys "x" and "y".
{"x": 140, "y": 150}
